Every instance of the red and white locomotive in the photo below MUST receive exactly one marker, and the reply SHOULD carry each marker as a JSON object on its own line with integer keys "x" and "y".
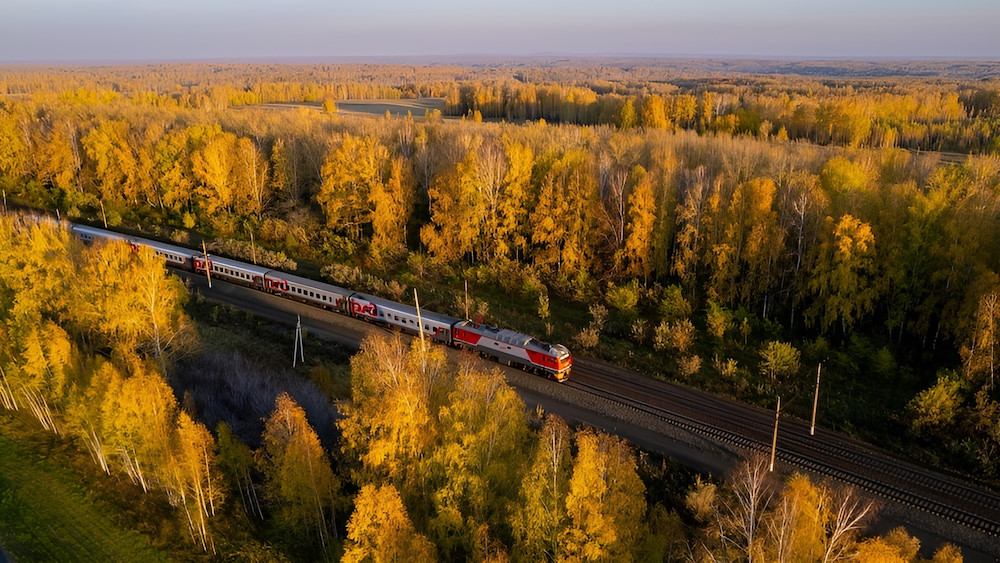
{"x": 504, "y": 345}
{"x": 514, "y": 348}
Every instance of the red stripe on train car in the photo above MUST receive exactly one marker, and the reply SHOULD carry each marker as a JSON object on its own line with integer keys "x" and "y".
{"x": 466, "y": 337}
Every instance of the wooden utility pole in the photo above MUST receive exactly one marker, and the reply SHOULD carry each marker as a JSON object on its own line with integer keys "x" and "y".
{"x": 466, "y": 299}
{"x": 812, "y": 429}
{"x": 103, "y": 215}
{"x": 774, "y": 440}
{"x": 208, "y": 268}
{"x": 420, "y": 322}
{"x": 5, "y": 202}
{"x": 298, "y": 350}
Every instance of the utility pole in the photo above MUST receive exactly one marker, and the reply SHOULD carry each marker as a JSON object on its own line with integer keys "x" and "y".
{"x": 103, "y": 215}
{"x": 812, "y": 429}
{"x": 420, "y": 322}
{"x": 298, "y": 350}
{"x": 466, "y": 299}
{"x": 5, "y": 202}
{"x": 774, "y": 440}
{"x": 208, "y": 268}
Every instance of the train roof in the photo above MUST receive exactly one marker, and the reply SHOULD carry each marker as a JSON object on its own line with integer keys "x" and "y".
{"x": 234, "y": 264}
{"x": 161, "y": 246}
{"x": 306, "y": 282}
{"x": 408, "y": 309}
{"x": 94, "y": 231}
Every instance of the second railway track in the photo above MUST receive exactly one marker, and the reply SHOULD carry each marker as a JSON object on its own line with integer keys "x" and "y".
{"x": 827, "y": 453}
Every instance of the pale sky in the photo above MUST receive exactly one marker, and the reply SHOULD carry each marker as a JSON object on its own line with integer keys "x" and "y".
{"x": 145, "y": 30}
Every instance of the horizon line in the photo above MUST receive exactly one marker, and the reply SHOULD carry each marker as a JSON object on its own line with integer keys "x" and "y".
{"x": 431, "y": 58}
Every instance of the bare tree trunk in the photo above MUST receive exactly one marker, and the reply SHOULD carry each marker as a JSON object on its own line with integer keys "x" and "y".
{"x": 97, "y": 450}
{"x": 39, "y": 408}
{"x": 752, "y": 496}
{"x": 850, "y": 513}
{"x": 6, "y": 394}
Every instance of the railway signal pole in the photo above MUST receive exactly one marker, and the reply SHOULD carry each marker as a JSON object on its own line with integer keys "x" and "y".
{"x": 774, "y": 440}
{"x": 812, "y": 429}
{"x": 299, "y": 348}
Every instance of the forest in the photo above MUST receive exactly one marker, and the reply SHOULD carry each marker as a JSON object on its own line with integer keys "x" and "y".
{"x": 434, "y": 460}
{"x": 726, "y": 231}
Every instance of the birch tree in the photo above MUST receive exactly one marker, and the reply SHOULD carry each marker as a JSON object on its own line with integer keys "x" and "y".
{"x": 300, "y": 483}
{"x": 380, "y": 530}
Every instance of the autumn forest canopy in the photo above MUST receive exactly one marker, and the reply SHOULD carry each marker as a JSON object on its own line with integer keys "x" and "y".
{"x": 729, "y": 230}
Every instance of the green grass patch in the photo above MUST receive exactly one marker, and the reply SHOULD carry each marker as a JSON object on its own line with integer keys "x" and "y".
{"x": 47, "y": 513}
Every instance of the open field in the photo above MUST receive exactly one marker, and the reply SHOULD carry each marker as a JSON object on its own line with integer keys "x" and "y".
{"x": 397, "y": 108}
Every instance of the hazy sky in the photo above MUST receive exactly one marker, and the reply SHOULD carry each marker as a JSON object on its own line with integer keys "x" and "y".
{"x": 81, "y": 30}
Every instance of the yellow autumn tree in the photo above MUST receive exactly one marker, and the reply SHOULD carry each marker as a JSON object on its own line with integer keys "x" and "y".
{"x": 252, "y": 188}
{"x": 979, "y": 354}
{"x": 380, "y": 530}
{"x": 350, "y": 174}
{"x": 797, "y": 528}
{"x": 391, "y": 202}
{"x": 37, "y": 264}
{"x": 510, "y": 235}
{"x": 109, "y": 147}
{"x": 215, "y": 165}
{"x": 877, "y": 550}
{"x": 654, "y": 113}
{"x": 474, "y": 470}
{"x": 843, "y": 280}
{"x": 193, "y": 478}
{"x": 540, "y": 516}
{"x": 642, "y": 220}
{"x": 456, "y": 205}
{"x": 139, "y": 417}
{"x": 172, "y": 182}
{"x": 605, "y": 503}
{"x": 57, "y": 160}
{"x": 564, "y": 228}
{"x": 299, "y": 481}
{"x": 391, "y": 422}
{"x": 13, "y": 149}
{"x": 131, "y": 300}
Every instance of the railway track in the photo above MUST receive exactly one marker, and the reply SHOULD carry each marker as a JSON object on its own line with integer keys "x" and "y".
{"x": 827, "y": 453}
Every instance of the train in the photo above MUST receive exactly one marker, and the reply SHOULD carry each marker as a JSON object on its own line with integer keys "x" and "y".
{"x": 501, "y": 344}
